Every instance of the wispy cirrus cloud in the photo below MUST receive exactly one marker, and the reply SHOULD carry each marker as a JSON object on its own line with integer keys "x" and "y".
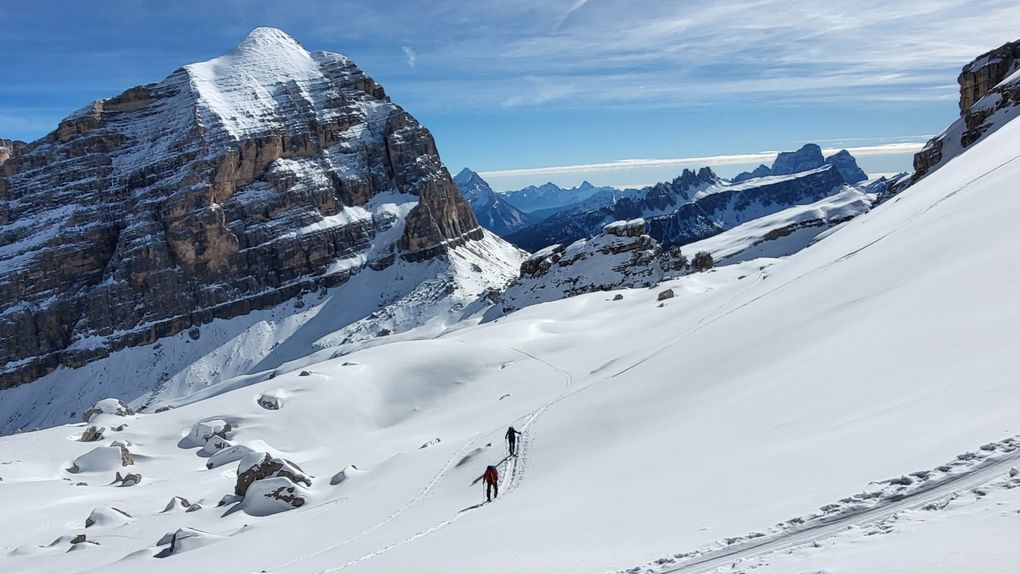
{"x": 410, "y": 55}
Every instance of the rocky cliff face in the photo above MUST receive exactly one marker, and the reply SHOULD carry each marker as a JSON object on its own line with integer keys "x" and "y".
{"x": 9, "y": 148}
{"x": 490, "y": 208}
{"x": 232, "y": 185}
{"x": 989, "y": 97}
{"x": 987, "y": 71}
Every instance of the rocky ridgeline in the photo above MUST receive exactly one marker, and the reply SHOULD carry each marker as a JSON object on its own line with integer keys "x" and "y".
{"x": 227, "y": 187}
{"x": 569, "y": 226}
{"x": 622, "y": 256}
{"x": 729, "y": 206}
{"x": 989, "y": 97}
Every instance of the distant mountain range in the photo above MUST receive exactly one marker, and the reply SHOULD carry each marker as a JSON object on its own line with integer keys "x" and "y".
{"x": 550, "y": 197}
{"x": 492, "y": 209}
{"x": 691, "y": 207}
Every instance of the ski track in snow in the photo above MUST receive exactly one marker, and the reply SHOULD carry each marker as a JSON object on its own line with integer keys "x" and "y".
{"x": 513, "y": 472}
{"x": 512, "y": 475}
{"x": 836, "y": 518}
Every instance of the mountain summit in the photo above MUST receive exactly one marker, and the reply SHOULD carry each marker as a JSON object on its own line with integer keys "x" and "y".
{"x": 491, "y": 209}
{"x": 232, "y": 185}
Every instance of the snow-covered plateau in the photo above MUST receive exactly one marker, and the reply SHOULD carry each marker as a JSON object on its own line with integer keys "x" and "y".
{"x": 848, "y": 408}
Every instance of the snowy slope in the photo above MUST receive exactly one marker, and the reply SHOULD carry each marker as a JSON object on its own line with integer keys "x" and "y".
{"x": 405, "y": 296}
{"x": 762, "y": 391}
{"x": 786, "y": 232}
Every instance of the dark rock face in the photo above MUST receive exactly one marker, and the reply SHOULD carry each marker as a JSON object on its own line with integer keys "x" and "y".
{"x": 490, "y": 208}
{"x": 9, "y": 148}
{"x": 227, "y": 187}
{"x": 760, "y": 171}
{"x": 847, "y": 166}
{"x": 987, "y": 101}
{"x": 727, "y": 208}
{"x": 807, "y": 158}
{"x": 985, "y": 72}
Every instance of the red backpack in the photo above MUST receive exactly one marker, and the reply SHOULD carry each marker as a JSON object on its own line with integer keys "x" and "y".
{"x": 491, "y": 475}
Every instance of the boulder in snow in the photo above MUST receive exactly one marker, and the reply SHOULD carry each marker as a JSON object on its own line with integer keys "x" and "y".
{"x": 270, "y": 402}
{"x": 667, "y": 294}
{"x": 176, "y": 503}
{"x": 108, "y": 406}
{"x": 183, "y": 540}
{"x": 127, "y": 480}
{"x": 202, "y": 431}
{"x": 227, "y": 456}
{"x": 101, "y": 459}
{"x": 257, "y": 466}
{"x": 104, "y": 516}
{"x": 273, "y": 495}
{"x": 346, "y": 474}
{"x": 92, "y": 434}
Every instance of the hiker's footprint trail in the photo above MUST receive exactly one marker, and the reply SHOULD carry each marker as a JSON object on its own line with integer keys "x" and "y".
{"x": 511, "y": 477}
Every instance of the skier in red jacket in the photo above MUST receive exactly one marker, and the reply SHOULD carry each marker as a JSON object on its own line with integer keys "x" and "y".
{"x": 491, "y": 477}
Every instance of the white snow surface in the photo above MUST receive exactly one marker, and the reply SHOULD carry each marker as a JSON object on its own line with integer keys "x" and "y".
{"x": 752, "y": 240}
{"x": 762, "y": 391}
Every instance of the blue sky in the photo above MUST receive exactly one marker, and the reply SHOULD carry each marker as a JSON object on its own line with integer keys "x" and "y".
{"x": 528, "y": 91}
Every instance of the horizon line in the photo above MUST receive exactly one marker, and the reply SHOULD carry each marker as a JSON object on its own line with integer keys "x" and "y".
{"x": 728, "y": 159}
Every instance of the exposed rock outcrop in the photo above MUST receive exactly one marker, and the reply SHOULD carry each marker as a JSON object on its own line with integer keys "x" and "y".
{"x": 260, "y": 465}
{"x": 232, "y": 185}
{"x": 8, "y": 149}
{"x": 987, "y": 71}
{"x": 621, "y": 256}
{"x": 114, "y": 407}
{"x": 129, "y": 479}
{"x": 989, "y": 97}
{"x": 92, "y": 434}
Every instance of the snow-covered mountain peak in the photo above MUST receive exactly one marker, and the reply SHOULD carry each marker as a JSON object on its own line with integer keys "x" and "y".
{"x": 268, "y": 38}
{"x": 267, "y": 77}
{"x": 233, "y": 185}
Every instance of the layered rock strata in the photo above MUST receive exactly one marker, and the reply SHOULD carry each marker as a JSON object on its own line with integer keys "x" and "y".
{"x": 231, "y": 185}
